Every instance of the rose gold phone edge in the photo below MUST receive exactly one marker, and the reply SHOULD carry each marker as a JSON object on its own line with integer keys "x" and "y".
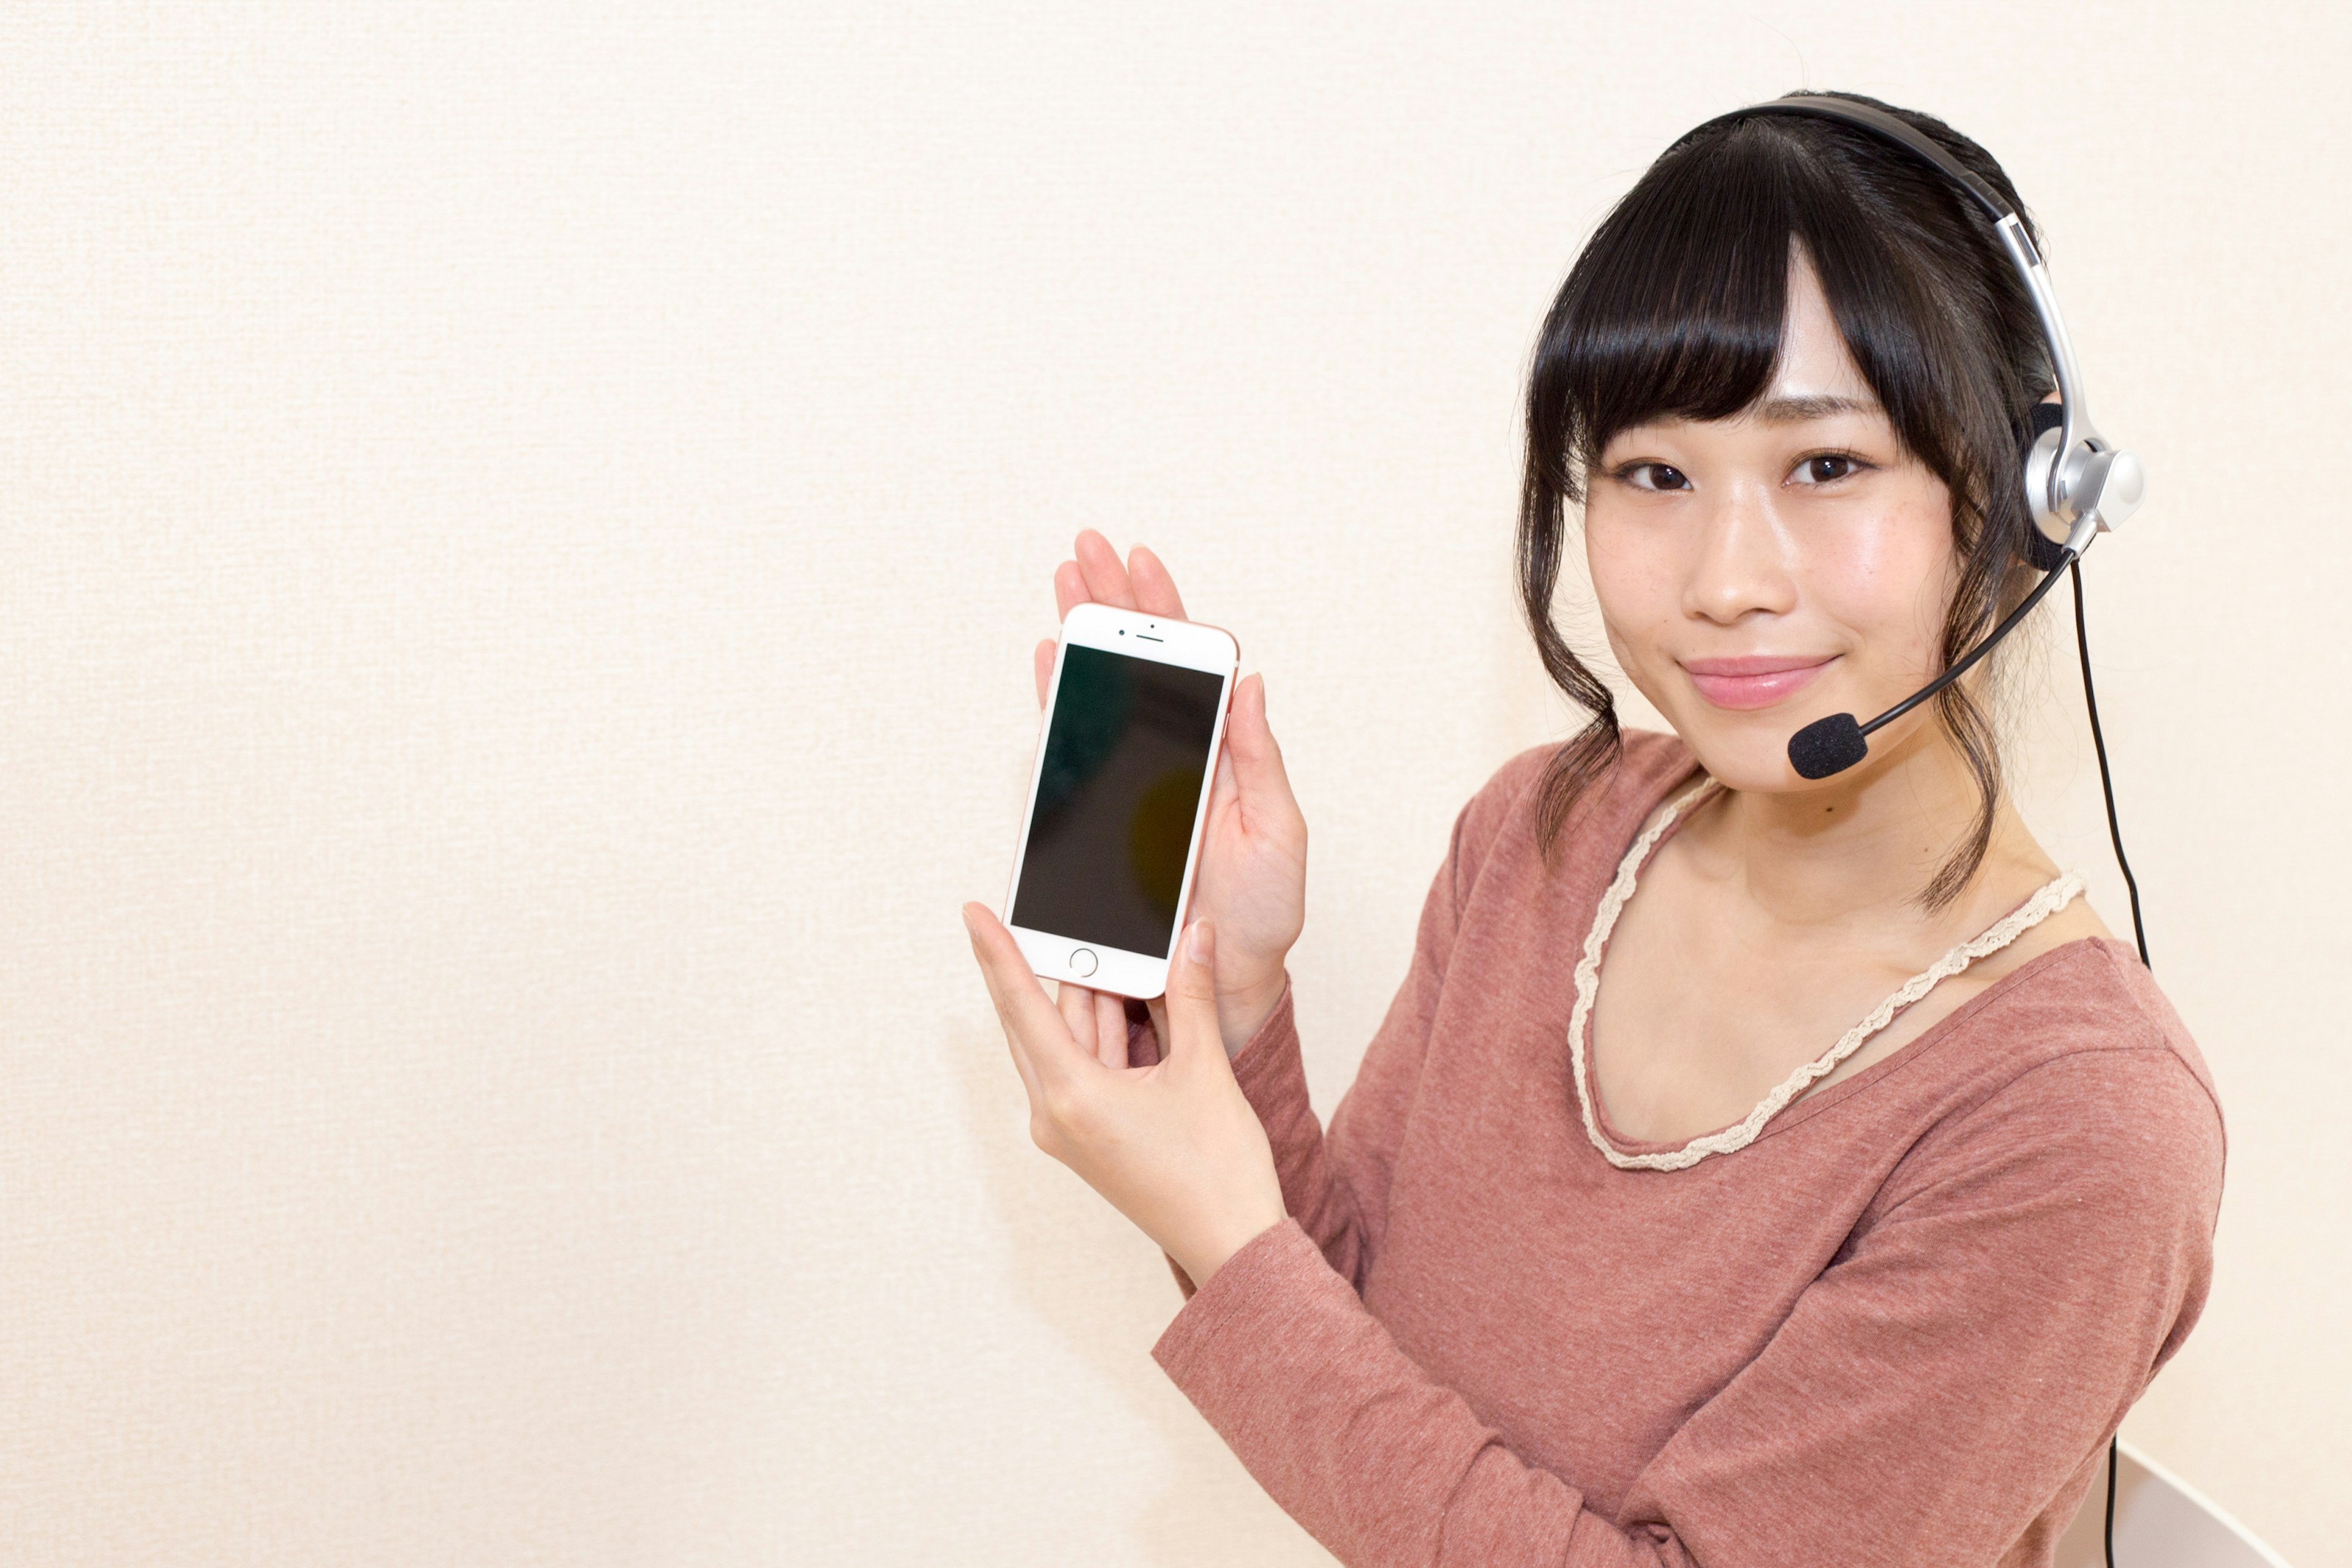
{"x": 1118, "y": 970}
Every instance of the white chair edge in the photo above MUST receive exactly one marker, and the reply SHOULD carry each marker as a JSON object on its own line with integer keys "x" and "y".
{"x": 2204, "y": 1504}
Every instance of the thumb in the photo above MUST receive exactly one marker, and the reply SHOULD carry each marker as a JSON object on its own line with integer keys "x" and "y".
{"x": 1192, "y": 995}
{"x": 1258, "y": 760}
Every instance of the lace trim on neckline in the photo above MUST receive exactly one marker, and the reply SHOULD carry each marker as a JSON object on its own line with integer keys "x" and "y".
{"x": 2052, "y": 896}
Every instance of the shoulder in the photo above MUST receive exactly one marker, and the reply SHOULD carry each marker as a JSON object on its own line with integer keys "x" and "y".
{"x": 2090, "y": 1010}
{"x": 1500, "y": 820}
{"x": 2080, "y": 1083}
{"x": 2070, "y": 1161}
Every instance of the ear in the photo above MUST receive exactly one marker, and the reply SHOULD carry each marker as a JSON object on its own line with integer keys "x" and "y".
{"x": 2044, "y": 551}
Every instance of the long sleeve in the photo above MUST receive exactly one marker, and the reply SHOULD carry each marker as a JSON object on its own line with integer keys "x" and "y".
{"x": 1336, "y": 1185}
{"x": 1930, "y": 1393}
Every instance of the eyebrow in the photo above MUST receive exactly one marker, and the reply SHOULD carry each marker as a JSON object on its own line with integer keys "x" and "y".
{"x": 1797, "y": 410}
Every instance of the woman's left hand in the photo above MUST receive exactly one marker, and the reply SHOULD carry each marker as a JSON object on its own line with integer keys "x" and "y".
{"x": 1174, "y": 1146}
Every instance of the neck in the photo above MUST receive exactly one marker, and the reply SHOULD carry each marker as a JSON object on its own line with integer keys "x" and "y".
{"x": 1859, "y": 852}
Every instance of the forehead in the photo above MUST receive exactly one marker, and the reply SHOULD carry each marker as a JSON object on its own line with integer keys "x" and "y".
{"x": 1815, "y": 374}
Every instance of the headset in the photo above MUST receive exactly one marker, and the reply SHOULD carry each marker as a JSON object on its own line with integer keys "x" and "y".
{"x": 2076, "y": 486}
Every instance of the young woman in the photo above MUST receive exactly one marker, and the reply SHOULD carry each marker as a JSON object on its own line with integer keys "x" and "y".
{"x": 1750, "y": 1169}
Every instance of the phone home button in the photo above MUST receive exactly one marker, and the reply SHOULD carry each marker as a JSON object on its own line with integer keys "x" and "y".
{"x": 1083, "y": 962}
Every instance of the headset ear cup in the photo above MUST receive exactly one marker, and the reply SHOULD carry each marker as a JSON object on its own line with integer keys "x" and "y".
{"x": 2042, "y": 551}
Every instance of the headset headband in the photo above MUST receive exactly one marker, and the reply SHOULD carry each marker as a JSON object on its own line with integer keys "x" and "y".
{"x": 2075, "y": 484}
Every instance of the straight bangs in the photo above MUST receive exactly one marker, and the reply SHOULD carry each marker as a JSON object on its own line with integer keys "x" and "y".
{"x": 1652, "y": 325}
{"x": 1676, "y": 307}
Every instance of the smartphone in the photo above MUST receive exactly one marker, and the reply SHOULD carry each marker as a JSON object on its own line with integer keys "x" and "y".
{"x": 1108, "y": 844}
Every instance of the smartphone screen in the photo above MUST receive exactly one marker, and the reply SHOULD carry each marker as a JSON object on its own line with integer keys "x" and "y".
{"x": 1126, "y": 758}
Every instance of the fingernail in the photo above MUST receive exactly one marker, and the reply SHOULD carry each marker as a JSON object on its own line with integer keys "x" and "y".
{"x": 1203, "y": 942}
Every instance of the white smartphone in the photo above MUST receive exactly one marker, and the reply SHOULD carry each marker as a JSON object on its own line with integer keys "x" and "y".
{"x": 1112, "y": 832}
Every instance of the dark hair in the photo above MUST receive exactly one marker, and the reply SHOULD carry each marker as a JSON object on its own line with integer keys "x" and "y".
{"x": 1674, "y": 309}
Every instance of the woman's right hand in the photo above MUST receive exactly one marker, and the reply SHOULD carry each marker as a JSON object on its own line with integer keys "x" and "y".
{"x": 1252, "y": 876}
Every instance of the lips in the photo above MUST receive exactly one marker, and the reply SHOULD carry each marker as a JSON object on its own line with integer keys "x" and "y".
{"x": 1754, "y": 680}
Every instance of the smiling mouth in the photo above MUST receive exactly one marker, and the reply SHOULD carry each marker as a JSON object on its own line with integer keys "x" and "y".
{"x": 1757, "y": 681}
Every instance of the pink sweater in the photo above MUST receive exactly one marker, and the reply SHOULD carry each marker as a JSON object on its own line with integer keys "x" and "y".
{"x": 1895, "y": 1329}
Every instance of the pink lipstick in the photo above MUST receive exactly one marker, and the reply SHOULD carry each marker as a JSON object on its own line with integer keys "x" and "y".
{"x": 1754, "y": 680}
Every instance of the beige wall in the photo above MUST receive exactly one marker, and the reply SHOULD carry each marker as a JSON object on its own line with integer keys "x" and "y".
{"x": 522, "y": 532}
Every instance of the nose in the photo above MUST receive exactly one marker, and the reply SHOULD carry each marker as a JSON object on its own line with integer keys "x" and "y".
{"x": 1739, "y": 563}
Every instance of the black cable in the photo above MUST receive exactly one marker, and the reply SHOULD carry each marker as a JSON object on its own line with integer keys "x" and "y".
{"x": 2106, "y": 785}
{"x": 2139, "y": 931}
{"x": 2111, "y": 1503}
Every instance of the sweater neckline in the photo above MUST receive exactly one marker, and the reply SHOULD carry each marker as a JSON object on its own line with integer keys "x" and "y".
{"x": 1629, "y": 1154}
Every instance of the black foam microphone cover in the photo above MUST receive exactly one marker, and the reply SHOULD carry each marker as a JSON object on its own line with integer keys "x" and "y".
{"x": 1827, "y": 746}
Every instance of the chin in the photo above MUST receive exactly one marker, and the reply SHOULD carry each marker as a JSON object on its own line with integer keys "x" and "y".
{"x": 1746, "y": 752}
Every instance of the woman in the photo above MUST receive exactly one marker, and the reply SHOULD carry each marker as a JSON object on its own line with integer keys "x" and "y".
{"x": 1751, "y": 1170}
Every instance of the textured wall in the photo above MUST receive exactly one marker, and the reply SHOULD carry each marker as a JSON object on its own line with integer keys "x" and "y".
{"x": 519, "y": 535}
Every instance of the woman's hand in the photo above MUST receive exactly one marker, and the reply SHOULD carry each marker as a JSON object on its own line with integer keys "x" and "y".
{"x": 1173, "y": 1146}
{"x": 1252, "y": 877}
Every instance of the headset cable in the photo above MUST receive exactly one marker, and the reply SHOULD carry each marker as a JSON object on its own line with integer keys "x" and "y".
{"x": 2139, "y": 931}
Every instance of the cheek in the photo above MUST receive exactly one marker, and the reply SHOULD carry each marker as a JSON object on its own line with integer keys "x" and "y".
{"x": 1891, "y": 581}
{"x": 1633, "y": 580}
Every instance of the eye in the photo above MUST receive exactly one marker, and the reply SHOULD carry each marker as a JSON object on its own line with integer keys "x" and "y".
{"x": 1827, "y": 469}
{"x": 1653, "y": 477}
